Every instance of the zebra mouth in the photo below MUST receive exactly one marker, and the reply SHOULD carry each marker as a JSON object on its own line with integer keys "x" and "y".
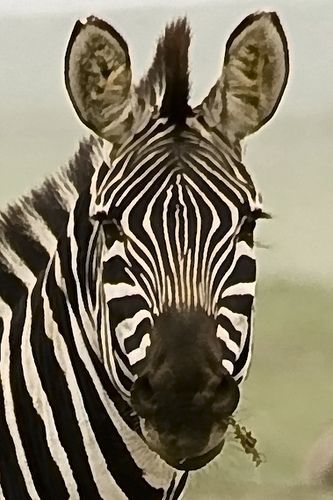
{"x": 186, "y": 463}
{"x": 196, "y": 462}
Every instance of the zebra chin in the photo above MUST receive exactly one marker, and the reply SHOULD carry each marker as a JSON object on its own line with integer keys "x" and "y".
{"x": 196, "y": 462}
{"x": 187, "y": 457}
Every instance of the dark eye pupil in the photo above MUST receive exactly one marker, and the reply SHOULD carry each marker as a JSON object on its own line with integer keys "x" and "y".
{"x": 248, "y": 226}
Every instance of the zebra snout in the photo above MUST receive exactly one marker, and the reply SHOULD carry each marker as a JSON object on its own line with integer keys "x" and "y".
{"x": 223, "y": 399}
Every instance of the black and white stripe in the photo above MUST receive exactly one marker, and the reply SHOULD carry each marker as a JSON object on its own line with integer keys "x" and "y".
{"x": 161, "y": 220}
{"x": 59, "y": 404}
{"x": 181, "y": 217}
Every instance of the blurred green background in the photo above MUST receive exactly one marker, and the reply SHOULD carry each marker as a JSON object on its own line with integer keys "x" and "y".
{"x": 288, "y": 398}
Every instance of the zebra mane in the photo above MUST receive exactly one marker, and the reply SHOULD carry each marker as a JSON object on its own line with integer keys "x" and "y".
{"x": 169, "y": 72}
{"x": 30, "y": 227}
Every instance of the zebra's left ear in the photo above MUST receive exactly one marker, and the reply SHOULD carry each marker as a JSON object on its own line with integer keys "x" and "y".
{"x": 254, "y": 76}
{"x": 98, "y": 78}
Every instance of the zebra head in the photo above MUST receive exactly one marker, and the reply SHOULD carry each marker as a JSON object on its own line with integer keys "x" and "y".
{"x": 176, "y": 210}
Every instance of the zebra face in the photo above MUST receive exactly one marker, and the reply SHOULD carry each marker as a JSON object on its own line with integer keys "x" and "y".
{"x": 175, "y": 209}
{"x": 179, "y": 305}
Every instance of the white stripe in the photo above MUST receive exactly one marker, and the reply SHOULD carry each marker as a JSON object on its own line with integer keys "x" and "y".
{"x": 239, "y": 322}
{"x": 95, "y": 207}
{"x": 86, "y": 319}
{"x": 231, "y": 345}
{"x": 139, "y": 144}
{"x": 170, "y": 255}
{"x": 102, "y": 477}
{"x": 139, "y": 179}
{"x": 140, "y": 353}
{"x": 150, "y": 300}
{"x": 244, "y": 370}
{"x": 219, "y": 174}
{"x": 228, "y": 366}
{"x": 124, "y": 370}
{"x": 17, "y": 266}
{"x": 66, "y": 191}
{"x": 2, "y": 496}
{"x": 189, "y": 284}
{"x": 128, "y": 326}
{"x": 215, "y": 225}
{"x": 185, "y": 218}
{"x": 233, "y": 182}
{"x": 9, "y": 404}
{"x": 160, "y": 286}
{"x": 127, "y": 229}
{"x": 240, "y": 289}
{"x": 116, "y": 250}
{"x": 242, "y": 249}
{"x": 39, "y": 229}
{"x": 156, "y": 472}
{"x": 108, "y": 351}
{"x": 195, "y": 277}
{"x": 93, "y": 254}
{"x": 180, "y": 253}
{"x": 120, "y": 290}
{"x": 41, "y": 403}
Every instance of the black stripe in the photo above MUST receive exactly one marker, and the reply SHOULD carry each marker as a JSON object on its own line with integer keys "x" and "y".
{"x": 240, "y": 304}
{"x": 134, "y": 341}
{"x": 45, "y": 473}
{"x": 18, "y": 236}
{"x": 1, "y": 330}
{"x": 119, "y": 462}
{"x": 55, "y": 386}
{"x": 240, "y": 363}
{"x": 12, "y": 482}
{"x": 180, "y": 487}
{"x": 225, "y": 323}
{"x": 12, "y": 288}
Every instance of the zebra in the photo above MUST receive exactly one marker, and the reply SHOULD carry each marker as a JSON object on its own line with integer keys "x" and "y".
{"x": 127, "y": 280}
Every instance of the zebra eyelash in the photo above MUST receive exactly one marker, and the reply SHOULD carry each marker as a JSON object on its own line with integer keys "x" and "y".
{"x": 259, "y": 214}
{"x": 248, "y": 224}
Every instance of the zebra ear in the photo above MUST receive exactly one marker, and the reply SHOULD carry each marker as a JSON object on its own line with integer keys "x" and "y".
{"x": 98, "y": 78}
{"x": 254, "y": 76}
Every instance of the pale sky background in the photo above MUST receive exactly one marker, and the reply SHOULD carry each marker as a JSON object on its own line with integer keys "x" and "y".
{"x": 40, "y": 6}
{"x": 290, "y": 159}
{"x": 289, "y": 394}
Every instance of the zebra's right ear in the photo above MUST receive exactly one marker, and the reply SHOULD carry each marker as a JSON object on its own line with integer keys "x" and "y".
{"x": 254, "y": 76}
{"x": 98, "y": 78}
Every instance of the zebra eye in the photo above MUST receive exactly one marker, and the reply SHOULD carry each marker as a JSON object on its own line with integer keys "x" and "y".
{"x": 249, "y": 224}
{"x": 247, "y": 227}
{"x": 113, "y": 232}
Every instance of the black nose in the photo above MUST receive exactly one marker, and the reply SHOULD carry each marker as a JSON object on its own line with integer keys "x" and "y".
{"x": 227, "y": 396}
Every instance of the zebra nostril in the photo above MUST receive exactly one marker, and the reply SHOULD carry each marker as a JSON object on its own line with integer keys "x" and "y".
{"x": 227, "y": 397}
{"x": 145, "y": 386}
{"x": 141, "y": 396}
